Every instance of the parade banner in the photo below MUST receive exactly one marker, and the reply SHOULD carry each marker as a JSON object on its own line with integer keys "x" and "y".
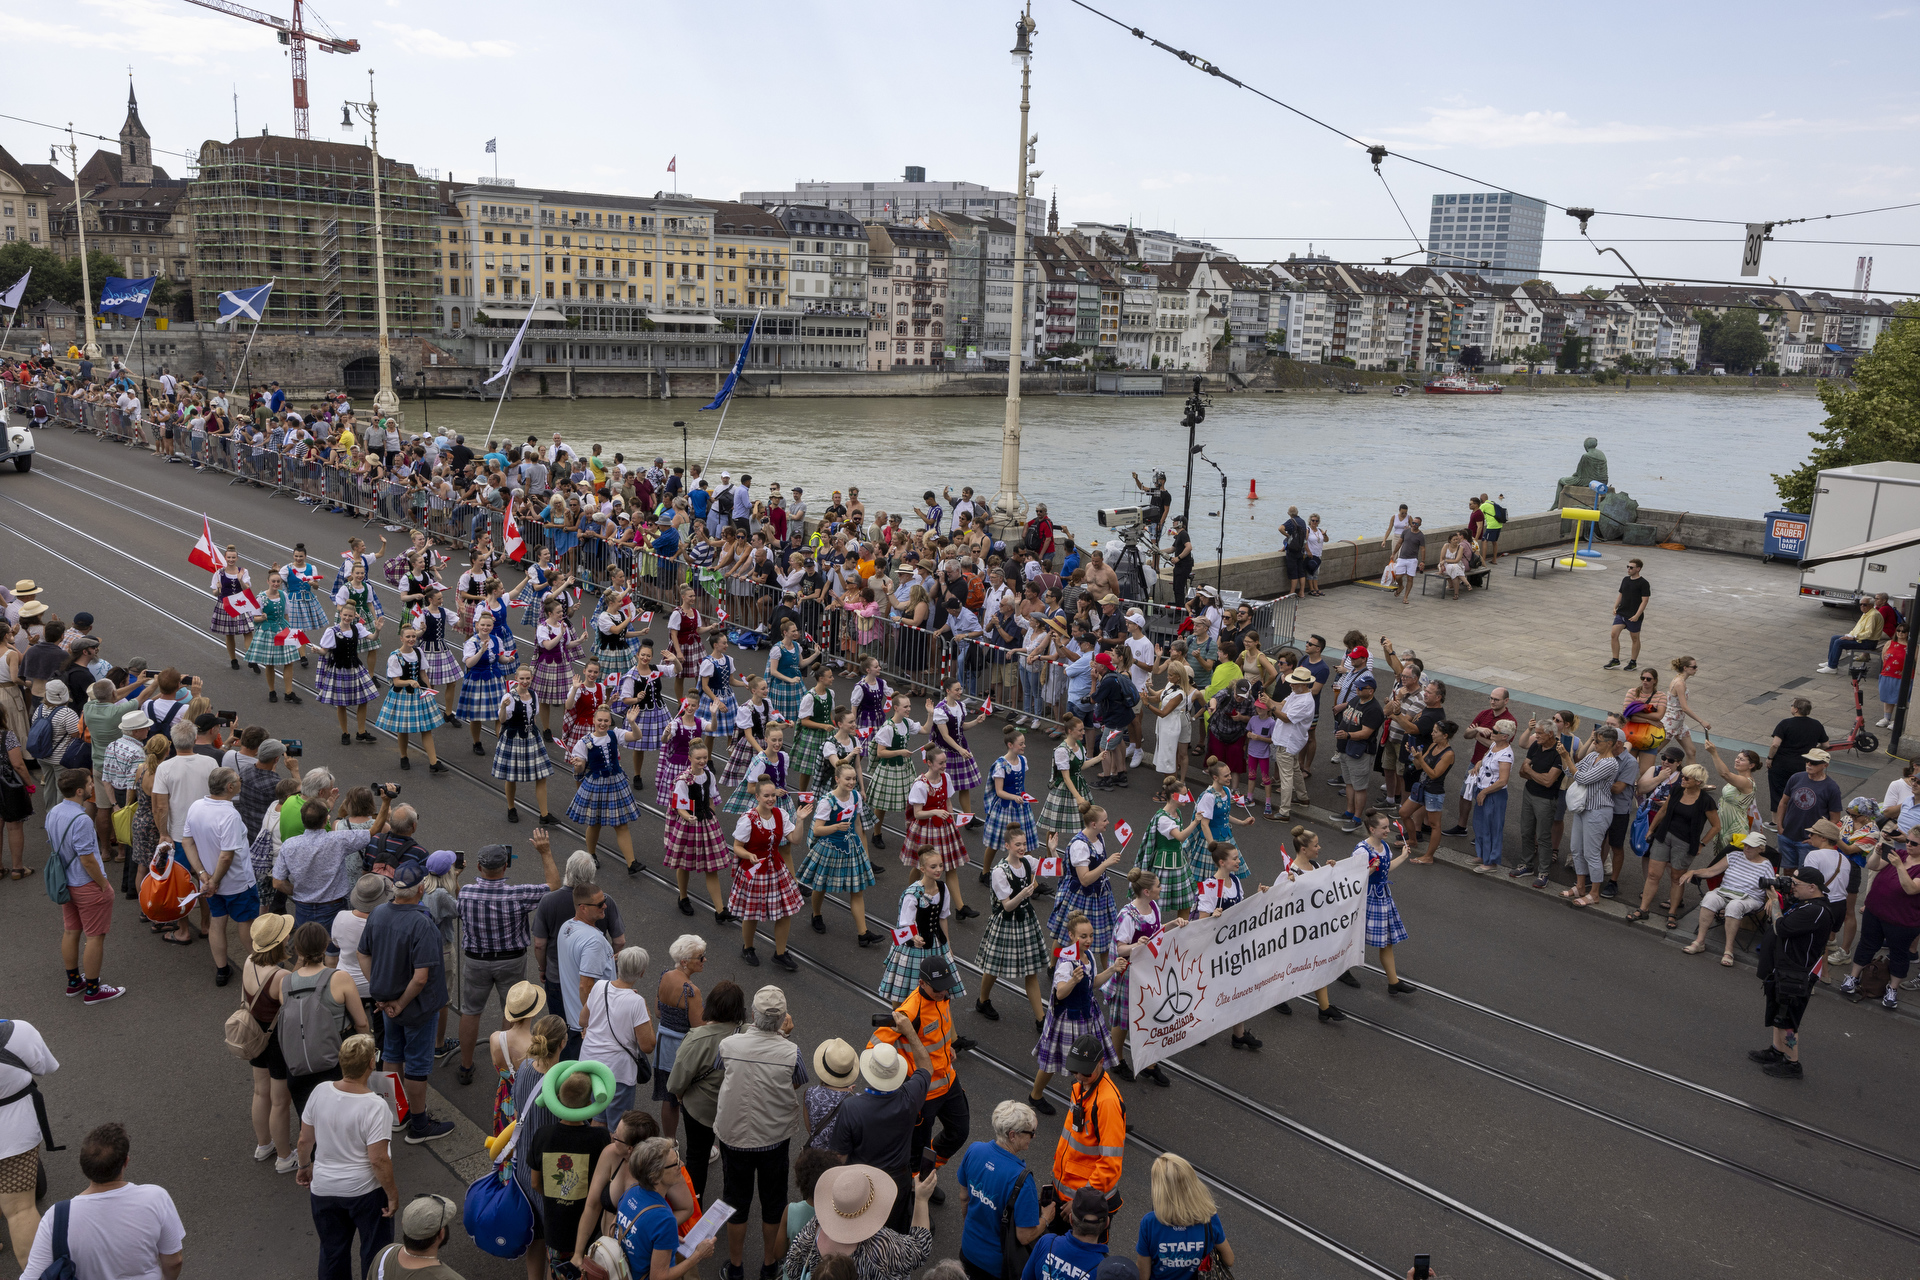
{"x": 1212, "y": 974}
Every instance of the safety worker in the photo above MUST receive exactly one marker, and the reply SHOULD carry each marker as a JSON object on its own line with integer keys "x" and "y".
{"x": 1093, "y": 1141}
{"x": 930, "y": 1011}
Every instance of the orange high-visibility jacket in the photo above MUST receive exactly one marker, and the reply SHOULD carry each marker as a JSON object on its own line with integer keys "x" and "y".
{"x": 1090, "y": 1153}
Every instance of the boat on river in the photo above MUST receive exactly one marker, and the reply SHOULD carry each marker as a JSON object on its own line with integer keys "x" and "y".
{"x": 1462, "y": 385}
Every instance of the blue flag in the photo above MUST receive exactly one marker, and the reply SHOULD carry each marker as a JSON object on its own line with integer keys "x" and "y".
{"x": 245, "y": 304}
{"x": 726, "y": 388}
{"x": 126, "y": 297}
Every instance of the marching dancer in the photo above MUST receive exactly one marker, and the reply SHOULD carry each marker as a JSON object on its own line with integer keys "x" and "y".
{"x": 892, "y": 772}
{"x": 692, "y": 841}
{"x": 343, "y": 681}
{"x": 552, "y": 670}
{"x": 520, "y": 754}
{"x": 1012, "y": 945}
{"x": 814, "y": 714}
{"x": 230, "y": 579}
{"x": 584, "y": 698}
{"x": 1384, "y": 927}
{"x": 1215, "y": 808}
{"x": 688, "y": 634}
{"x": 645, "y": 708}
{"x": 837, "y": 860}
{"x": 772, "y": 763}
{"x": 486, "y": 660}
{"x": 947, "y": 723}
{"x": 1008, "y": 808}
{"x": 1219, "y": 891}
{"x": 494, "y": 602}
{"x": 359, "y": 593}
{"x": 610, "y": 642}
{"x": 841, "y": 747}
{"x": 717, "y": 678}
{"x": 676, "y": 747}
{"x": 356, "y": 553}
{"x": 871, "y": 698}
{"x": 1066, "y": 804}
{"x": 1164, "y": 851}
{"x": 1083, "y": 884}
{"x": 263, "y": 649}
{"x": 1138, "y": 923}
{"x": 931, "y": 825}
{"x": 303, "y": 605}
{"x": 786, "y": 681}
{"x": 441, "y": 666}
{"x": 750, "y": 721}
{"x": 1306, "y": 857}
{"x": 604, "y": 797}
{"x": 924, "y": 908}
{"x": 763, "y": 884}
{"x": 409, "y": 706}
{"x": 1074, "y": 1011}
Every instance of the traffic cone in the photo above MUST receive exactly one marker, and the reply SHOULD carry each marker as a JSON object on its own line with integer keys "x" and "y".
{"x": 1253, "y": 491}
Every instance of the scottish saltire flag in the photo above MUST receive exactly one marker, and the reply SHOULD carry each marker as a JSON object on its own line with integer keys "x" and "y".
{"x": 726, "y": 388}
{"x": 126, "y": 297}
{"x": 16, "y": 291}
{"x": 490, "y": 145}
{"x": 245, "y": 304}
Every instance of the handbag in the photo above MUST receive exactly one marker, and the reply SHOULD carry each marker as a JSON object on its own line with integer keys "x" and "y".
{"x": 497, "y": 1213}
{"x": 1577, "y": 797}
{"x": 123, "y": 823}
{"x": 642, "y": 1069}
{"x": 1213, "y": 1264}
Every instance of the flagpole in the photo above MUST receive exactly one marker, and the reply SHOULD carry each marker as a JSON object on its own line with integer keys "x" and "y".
{"x": 504, "y": 393}
{"x": 752, "y": 329}
{"x": 241, "y": 368}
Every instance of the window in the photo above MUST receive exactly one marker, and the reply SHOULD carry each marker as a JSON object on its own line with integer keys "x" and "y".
{"x": 549, "y": 288}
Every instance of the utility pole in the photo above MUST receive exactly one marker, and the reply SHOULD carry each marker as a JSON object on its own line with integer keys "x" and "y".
{"x": 92, "y": 349}
{"x": 385, "y": 403}
{"x": 1008, "y": 504}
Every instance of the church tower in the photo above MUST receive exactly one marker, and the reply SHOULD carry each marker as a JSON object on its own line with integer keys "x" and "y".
{"x": 1053, "y": 216}
{"x": 136, "y": 147}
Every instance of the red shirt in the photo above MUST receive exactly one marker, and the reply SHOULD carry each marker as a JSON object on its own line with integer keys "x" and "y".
{"x": 1894, "y": 661}
{"x": 1486, "y": 720}
{"x": 777, "y": 517}
{"x": 1889, "y": 619}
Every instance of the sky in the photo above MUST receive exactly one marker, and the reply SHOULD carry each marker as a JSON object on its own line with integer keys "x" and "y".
{"x": 1762, "y": 113}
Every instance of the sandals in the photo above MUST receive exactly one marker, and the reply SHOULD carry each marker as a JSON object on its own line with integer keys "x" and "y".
{"x": 1726, "y": 959}
{"x": 1635, "y": 916}
{"x": 1694, "y": 948}
{"x": 1673, "y": 922}
{"x": 20, "y": 873}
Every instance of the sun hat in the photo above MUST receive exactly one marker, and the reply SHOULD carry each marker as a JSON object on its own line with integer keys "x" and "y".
{"x": 1825, "y": 830}
{"x": 525, "y": 1000}
{"x": 836, "y": 1064}
{"x": 33, "y": 608}
{"x": 852, "y": 1202}
{"x": 1754, "y": 840}
{"x": 269, "y": 931}
{"x": 1818, "y": 756}
{"x": 26, "y": 587}
{"x": 57, "y": 694}
{"x": 883, "y": 1068}
{"x": 370, "y": 890}
{"x": 1299, "y": 675}
{"x": 134, "y": 721}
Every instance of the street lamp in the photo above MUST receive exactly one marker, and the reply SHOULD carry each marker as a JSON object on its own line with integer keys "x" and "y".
{"x": 385, "y": 403}
{"x": 1008, "y": 503}
{"x": 92, "y": 349}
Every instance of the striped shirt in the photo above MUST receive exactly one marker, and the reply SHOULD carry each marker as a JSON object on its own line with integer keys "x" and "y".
{"x": 121, "y": 769}
{"x": 493, "y": 914}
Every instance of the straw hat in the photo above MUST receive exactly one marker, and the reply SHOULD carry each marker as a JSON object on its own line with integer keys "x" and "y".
{"x": 26, "y": 587}
{"x": 852, "y": 1202}
{"x": 835, "y": 1064}
{"x": 885, "y": 1070}
{"x": 33, "y": 609}
{"x": 269, "y": 931}
{"x": 525, "y": 1000}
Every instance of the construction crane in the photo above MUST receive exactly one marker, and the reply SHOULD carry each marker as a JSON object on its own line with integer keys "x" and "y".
{"x": 294, "y": 34}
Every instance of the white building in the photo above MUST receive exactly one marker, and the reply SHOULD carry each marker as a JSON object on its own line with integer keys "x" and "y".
{"x": 905, "y": 200}
{"x": 1495, "y": 227}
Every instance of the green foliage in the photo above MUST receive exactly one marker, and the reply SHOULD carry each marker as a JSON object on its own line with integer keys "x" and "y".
{"x": 1470, "y": 357}
{"x": 1533, "y": 354}
{"x": 1277, "y": 339}
{"x": 1877, "y": 419}
{"x": 1569, "y": 357}
{"x": 1226, "y": 336}
{"x": 1734, "y": 339}
{"x": 53, "y": 276}
{"x": 1770, "y": 369}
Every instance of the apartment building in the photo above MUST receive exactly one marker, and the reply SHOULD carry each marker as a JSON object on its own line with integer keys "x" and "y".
{"x": 23, "y": 203}
{"x": 1496, "y": 227}
{"x": 907, "y": 200}
{"x": 908, "y": 284}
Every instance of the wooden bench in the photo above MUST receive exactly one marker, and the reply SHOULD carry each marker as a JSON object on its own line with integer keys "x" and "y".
{"x": 1477, "y": 578}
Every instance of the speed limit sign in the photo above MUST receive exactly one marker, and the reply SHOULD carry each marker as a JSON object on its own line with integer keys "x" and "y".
{"x": 1750, "y": 258}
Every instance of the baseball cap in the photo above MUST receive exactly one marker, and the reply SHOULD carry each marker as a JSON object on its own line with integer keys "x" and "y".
{"x": 427, "y": 1216}
{"x": 83, "y": 619}
{"x": 1089, "y": 1208}
{"x": 205, "y": 721}
{"x": 495, "y": 856}
{"x": 1085, "y": 1055}
{"x": 1117, "y": 1269}
{"x": 937, "y": 973}
{"x": 441, "y": 861}
{"x": 1807, "y": 875}
{"x": 1754, "y": 840}
{"x": 409, "y": 874}
{"x": 769, "y": 999}
{"x": 1819, "y": 755}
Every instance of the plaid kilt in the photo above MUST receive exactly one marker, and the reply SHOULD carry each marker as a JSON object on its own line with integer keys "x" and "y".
{"x": 1012, "y": 945}
{"x": 535, "y": 608}
{"x": 836, "y": 864}
{"x": 440, "y": 667}
{"x": 902, "y": 976}
{"x": 650, "y": 729}
{"x": 521, "y": 759}
{"x": 303, "y": 612}
{"x": 695, "y": 846}
{"x": 605, "y": 801}
{"x": 1179, "y": 888}
{"x": 225, "y": 624}
{"x": 263, "y": 650}
{"x": 1059, "y": 813}
{"x": 1063, "y": 1028}
{"x": 785, "y": 697}
{"x": 963, "y": 769}
{"x": 405, "y": 711}
{"x": 665, "y": 778}
{"x": 887, "y": 785}
{"x": 480, "y": 696}
{"x": 344, "y": 686}
{"x": 613, "y": 662}
{"x": 571, "y": 731}
{"x": 396, "y": 567}
{"x": 806, "y": 744}
{"x": 943, "y": 836}
{"x": 691, "y": 655}
{"x": 717, "y": 708}
{"x": 739, "y": 801}
{"x": 1383, "y": 918}
{"x": 735, "y": 768}
{"x": 1095, "y": 900}
{"x": 770, "y": 895}
{"x": 1003, "y": 815}
{"x": 552, "y": 681}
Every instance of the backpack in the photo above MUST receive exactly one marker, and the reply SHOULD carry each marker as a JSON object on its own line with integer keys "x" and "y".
{"x": 59, "y": 884}
{"x": 497, "y": 1213}
{"x": 244, "y": 1035}
{"x": 1499, "y": 513}
{"x": 1013, "y": 1254}
{"x": 1033, "y": 541}
{"x": 40, "y": 734}
{"x": 1875, "y": 978}
{"x": 976, "y": 591}
{"x": 79, "y": 752}
{"x": 61, "y": 1267}
{"x": 309, "y": 1036}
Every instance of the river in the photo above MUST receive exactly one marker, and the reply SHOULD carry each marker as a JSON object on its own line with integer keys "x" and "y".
{"x": 1350, "y": 458}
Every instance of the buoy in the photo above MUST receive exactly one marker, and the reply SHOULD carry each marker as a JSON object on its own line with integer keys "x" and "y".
{"x": 1253, "y": 491}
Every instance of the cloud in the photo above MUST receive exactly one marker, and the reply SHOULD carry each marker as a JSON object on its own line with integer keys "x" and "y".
{"x": 431, "y": 44}
{"x": 147, "y": 30}
{"x": 1891, "y": 14}
{"x": 1682, "y": 171}
{"x": 1488, "y": 128}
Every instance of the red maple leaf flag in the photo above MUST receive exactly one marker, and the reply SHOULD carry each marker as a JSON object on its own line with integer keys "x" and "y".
{"x": 206, "y": 552}
{"x": 903, "y": 935}
{"x": 1050, "y": 866}
{"x": 516, "y": 546}
{"x": 287, "y": 635}
{"x": 1123, "y": 832}
{"x": 241, "y": 605}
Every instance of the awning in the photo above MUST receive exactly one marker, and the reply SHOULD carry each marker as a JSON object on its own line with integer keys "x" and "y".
{"x": 1879, "y": 546}
{"x": 658, "y": 318}
{"x": 514, "y": 316}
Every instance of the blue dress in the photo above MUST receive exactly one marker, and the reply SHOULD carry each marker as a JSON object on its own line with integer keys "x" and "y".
{"x": 1095, "y": 899}
{"x": 786, "y": 694}
{"x": 1004, "y": 815}
{"x": 1383, "y": 918}
{"x": 532, "y": 591}
{"x": 303, "y": 607}
{"x": 604, "y": 796}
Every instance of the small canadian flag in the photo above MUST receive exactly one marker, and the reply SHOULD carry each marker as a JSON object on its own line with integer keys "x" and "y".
{"x": 1243, "y": 801}
{"x": 986, "y": 708}
{"x": 1050, "y": 866}
{"x": 516, "y": 546}
{"x": 428, "y": 695}
{"x": 721, "y": 614}
{"x": 1026, "y": 797}
{"x": 806, "y": 797}
{"x": 287, "y": 635}
{"x": 1122, "y": 832}
{"x": 1155, "y": 944}
{"x": 864, "y": 733}
{"x": 241, "y": 604}
{"x": 1070, "y": 953}
{"x": 903, "y": 935}
{"x": 646, "y": 619}
{"x": 1211, "y": 885}
{"x": 206, "y": 553}
{"x": 1185, "y": 797}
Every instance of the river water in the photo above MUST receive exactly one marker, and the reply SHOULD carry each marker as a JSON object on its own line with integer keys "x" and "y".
{"x": 1353, "y": 459}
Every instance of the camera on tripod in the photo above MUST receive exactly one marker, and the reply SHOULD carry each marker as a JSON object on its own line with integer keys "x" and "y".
{"x": 1122, "y": 518}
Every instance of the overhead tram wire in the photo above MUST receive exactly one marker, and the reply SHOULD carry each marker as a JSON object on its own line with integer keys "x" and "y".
{"x": 1201, "y": 64}
{"x": 1864, "y": 244}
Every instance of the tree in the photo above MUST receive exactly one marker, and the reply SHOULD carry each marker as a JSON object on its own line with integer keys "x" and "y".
{"x": 53, "y": 276}
{"x": 1226, "y": 336}
{"x": 1569, "y": 357}
{"x": 1539, "y": 284}
{"x": 1738, "y": 341}
{"x": 1068, "y": 350}
{"x": 1595, "y": 292}
{"x": 1469, "y": 357}
{"x": 1877, "y": 419}
{"x": 1533, "y": 355}
{"x": 1770, "y": 369}
{"x": 1277, "y": 338}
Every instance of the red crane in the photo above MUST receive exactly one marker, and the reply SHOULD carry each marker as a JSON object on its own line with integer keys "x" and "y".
{"x": 294, "y": 34}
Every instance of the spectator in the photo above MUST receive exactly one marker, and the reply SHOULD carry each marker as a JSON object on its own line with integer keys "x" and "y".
{"x": 616, "y": 1029}
{"x": 1487, "y": 786}
{"x": 837, "y": 1068}
{"x": 316, "y": 784}
{"x": 645, "y": 1224}
{"x": 561, "y": 1160}
{"x": 114, "y": 1227}
{"x": 425, "y": 1224}
{"x": 260, "y": 782}
{"x": 178, "y": 784}
{"x": 1182, "y": 1234}
{"x": 1629, "y": 612}
{"x": 1866, "y": 635}
{"x": 1809, "y": 796}
{"x": 318, "y": 868}
{"x": 1892, "y": 915}
{"x": 696, "y": 1081}
{"x": 347, "y": 1165}
{"x": 88, "y": 910}
{"x": 399, "y": 952}
{"x": 994, "y": 1175}
{"x": 757, "y": 1110}
{"x": 1793, "y": 737}
{"x": 217, "y": 850}
{"x": 555, "y": 909}
{"x": 876, "y": 1126}
{"x": 678, "y": 1001}
{"x": 395, "y": 845}
{"x": 1080, "y": 1253}
{"x": 1359, "y": 730}
{"x": 1740, "y": 893}
{"x": 585, "y": 956}
{"x": 343, "y": 947}
{"x": 66, "y": 728}
{"x": 852, "y": 1204}
{"x": 23, "y": 1128}
{"x": 1542, "y": 772}
{"x": 1790, "y": 947}
{"x": 495, "y": 934}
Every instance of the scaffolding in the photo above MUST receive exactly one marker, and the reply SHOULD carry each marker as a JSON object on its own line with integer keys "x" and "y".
{"x": 301, "y": 213}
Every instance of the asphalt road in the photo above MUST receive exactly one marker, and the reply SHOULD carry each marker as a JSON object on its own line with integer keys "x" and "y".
{"x": 1594, "y": 1114}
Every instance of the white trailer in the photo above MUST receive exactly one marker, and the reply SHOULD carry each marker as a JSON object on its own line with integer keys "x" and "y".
{"x": 1852, "y": 505}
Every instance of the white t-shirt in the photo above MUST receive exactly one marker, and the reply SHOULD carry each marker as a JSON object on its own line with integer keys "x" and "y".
{"x": 215, "y": 827}
{"x": 347, "y": 928}
{"x": 1899, "y": 796}
{"x": 1828, "y": 863}
{"x": 344, "y": 1126}
{"x": 183, "y": 781}
{"x": 19, "y": 1126}
{"x": 615, "y": 1012}
{"x": 1142, "y": 650}
{"x": 114, "y": 1235}
{"x": 1291, "y": 733}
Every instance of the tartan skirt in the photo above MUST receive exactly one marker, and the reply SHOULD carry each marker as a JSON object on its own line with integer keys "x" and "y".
{"x": 695, "y": 846}
{"x": 602, "y": 800}
{"x": 735, "y": 768}
{"x": 440, "y": 667}
{"x": 344, "y": 686}
{"x": 665, "y": 777}
{"x": 943, "y": 836}
{"x": 650, "y": 728}
{"x": 739, "y": 801}
{"x": 691, "y": 655}
{"x": 806, "y": 746}
{"x": 1003, "y": 815}
{"x": 769, "y": 895}
{"x": 718, "y": 708}
{"x": 1059, "y": 813}
{"x": 1012, "y": 945}
{"x": 405, "y": 711}
{"x": 963, "y": 770}
{"x": 837, "y": 864}
{"x": 785, "y": 697}
{"x": 552, "y": 680}
{"x": 263, "y": 650}
{"x": 902, "y": 976}
{"x": 1179, "y": 889}
{"x": 480, "y": 696}
{"x": 304, "y": 613}
{"x": 887, "y": 785}
{"x": 1095, "y": 900}
{"x": 571, "y": 731}
{"x": 1064, "y": 1026}
{"x": 225, "y": 624}
{"x": 613, "y": 662}
{"x": 521, "y": 758}
{"x": 1383, "y": 918}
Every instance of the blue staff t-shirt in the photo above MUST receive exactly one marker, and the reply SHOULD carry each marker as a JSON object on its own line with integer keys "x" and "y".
{"x": 697, "y": 500}
{"x": 1063, "y": 1257}
{"x": 988, "y": 1172}
{"x": 1176, "y": 1252}
{"x": 645, "y": 1223}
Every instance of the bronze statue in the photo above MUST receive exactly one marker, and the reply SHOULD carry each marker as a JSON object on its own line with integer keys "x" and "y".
{"x": 1592, "y": 466}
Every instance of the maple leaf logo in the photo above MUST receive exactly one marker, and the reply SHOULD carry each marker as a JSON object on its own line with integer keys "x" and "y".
{"x": 1171, "y": 989}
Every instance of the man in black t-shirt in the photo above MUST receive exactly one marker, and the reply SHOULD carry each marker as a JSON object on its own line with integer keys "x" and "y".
{"x": 1357, "y": 730}
{"x": 1793, "y": 737}
{"x": 1629, "y": 610}
{"x": 1542, "y": 769}
{"x": 1182, "y": 559}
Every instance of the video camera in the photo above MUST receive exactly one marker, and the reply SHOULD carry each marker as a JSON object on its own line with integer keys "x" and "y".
{"x": 1122, "y": 517}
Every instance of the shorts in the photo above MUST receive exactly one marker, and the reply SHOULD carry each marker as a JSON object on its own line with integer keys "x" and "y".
{"x": 1673, "y": 853}
{"x": 1405, "y": 568}
{"x": 621, "y": 1104}
{"x": 1784, "y": 1013}
{"x": 1718, "y": 902}
{"x": 20, "y": 1174}
{"x": 1490, "y": 535}
{"x": 1260, "y": 768}
{"x": 479, "y": 979}
{"x": 1357, "y": 770}
{"x": 90, "y": 910}
{"x": 1296, "y": 566}
{"x": 1617, "y": 830}
{"x": 270, "y": 1059}
{"x": 241, "y": 908}
{"x": 1620, "y": 620}
{"x": 1113, "y": 739}
{"x": 1431, "y": 801}
{"x": 411, "y": 1046}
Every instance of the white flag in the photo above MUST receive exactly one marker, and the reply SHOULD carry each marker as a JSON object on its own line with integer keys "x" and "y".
{"x": 513, "y": 351}
{"x": 11, "y": 298}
